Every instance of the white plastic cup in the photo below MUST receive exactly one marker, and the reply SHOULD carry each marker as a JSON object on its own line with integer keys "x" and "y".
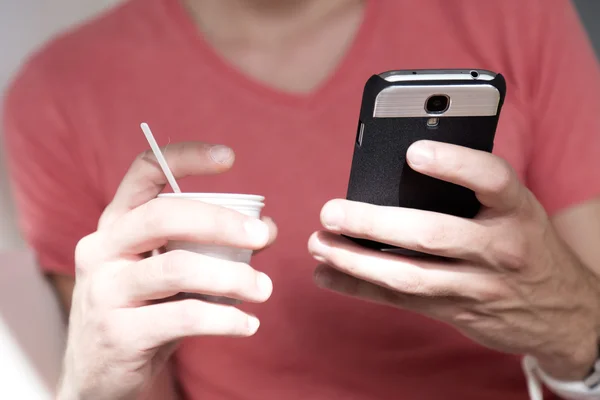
{"x": 247, "y": 204}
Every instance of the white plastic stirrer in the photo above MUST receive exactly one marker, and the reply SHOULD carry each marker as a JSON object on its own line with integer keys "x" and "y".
{"x": 159, "y": 156}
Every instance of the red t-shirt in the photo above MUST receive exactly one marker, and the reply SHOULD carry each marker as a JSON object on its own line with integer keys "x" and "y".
{"x": 72, "y": 130}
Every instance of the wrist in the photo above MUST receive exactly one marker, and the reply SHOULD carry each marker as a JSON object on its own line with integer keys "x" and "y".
{"x": 65, "y": 392}
{"x": 573, "y": 364}
{"x": 66, "y": 389}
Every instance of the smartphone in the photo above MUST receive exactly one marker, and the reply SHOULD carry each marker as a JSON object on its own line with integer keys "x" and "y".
{"x": 398, "y": 108}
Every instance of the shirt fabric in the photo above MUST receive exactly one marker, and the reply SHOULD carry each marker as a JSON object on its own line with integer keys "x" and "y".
{"x": 72, "y": 129}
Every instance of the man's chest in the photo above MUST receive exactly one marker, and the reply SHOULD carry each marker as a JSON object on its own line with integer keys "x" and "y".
{"x": 295, "y": 160}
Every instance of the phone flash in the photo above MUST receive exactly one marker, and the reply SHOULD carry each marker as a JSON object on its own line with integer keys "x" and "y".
{"x": 433, "y": 122}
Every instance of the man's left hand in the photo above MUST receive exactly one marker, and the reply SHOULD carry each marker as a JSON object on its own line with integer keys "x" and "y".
{"x": 505, "y": 279}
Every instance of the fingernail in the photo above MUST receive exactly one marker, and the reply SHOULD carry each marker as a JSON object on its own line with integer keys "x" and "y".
{"x": 316, "y": 247}
{"x": 267, "y": 219}
{"x": 264, "y": 283}
{"x": 221, "y": 154}
{"x": 332, "y": 216}
{"x": 253, "y": 324}
{"x": 420, "y": 154}
{"x": 257, "y": 230}
{"x": 319, "y": 258}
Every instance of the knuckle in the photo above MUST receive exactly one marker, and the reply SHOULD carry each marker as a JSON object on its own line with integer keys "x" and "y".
{"x": 408, "y": 283}
{"x": 375, "y": 221}
{"x": 153, "y": 216}
{"x": 177, "y": 151}
{"x": 110, "y": 332}
{"x": 464, "y": 317}
{"x": 491, "y": 293}
{"x": 531, "y": 210}
{"x": 449, "y": 163}
{"x": 192, "y": 316}
{"x": 97, "y": 289}
{"x": 430, "y": 239}
{"x": 503, "y": 178}
{"x": 145, "y": 157}
{"x": 106, "y": 218}
{"x": 94, "y": 293}
{"x": 484, "y": 288}
{"x": 83, "y": 252}
{"x": 171, "y": 269}
{"x": 513, "y": 253}
{"x": 425, "y": 242}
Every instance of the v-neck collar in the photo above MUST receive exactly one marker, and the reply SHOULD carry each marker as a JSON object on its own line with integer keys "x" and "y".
{"x": 347, "y": 67}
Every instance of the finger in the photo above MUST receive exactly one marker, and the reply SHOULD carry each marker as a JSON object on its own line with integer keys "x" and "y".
{"x": 329, "y": 278}
{"x": 410, "y": 276}
{"x": 145, "y": 180}
{"x": 423, "y": 231}
{"x": 273, "y": 231}
{"x": 152, "y": 326}
{"x": 491, "y": 178}
{"x": 151, "y": 225}
{"x": 178, "y": 271}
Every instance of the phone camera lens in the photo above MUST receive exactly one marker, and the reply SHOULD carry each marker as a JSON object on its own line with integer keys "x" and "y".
{"x": 437, "y": 104}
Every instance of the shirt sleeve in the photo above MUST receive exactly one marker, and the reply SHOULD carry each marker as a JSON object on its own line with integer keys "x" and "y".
{"x": 564, "y": 168}
{"x": 55, "y": 201}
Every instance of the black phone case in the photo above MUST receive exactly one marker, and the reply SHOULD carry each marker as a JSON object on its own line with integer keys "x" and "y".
{"x": 380, "y": 174}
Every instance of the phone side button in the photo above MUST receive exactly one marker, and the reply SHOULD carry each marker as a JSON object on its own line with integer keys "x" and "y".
{"x": 360, "y": 134}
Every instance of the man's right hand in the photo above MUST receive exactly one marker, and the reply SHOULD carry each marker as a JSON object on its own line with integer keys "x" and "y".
{"x": 120, "y": 332}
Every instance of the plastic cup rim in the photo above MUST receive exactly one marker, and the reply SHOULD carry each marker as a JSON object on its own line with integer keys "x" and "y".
{"x": 216, "y": 196}
{"x": 237, "y": 203}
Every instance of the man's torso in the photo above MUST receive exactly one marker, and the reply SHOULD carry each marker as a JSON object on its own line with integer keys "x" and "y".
{"x": 146, "y": 63}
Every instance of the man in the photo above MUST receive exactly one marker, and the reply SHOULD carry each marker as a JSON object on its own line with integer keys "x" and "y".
{"x": 277, "y": 86}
